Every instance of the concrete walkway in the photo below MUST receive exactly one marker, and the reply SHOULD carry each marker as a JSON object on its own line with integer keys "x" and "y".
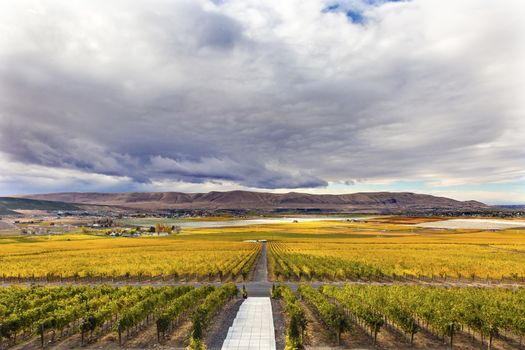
{"x": 253, "y": 328}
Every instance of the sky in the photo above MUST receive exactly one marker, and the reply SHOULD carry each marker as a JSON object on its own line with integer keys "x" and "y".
{"x": 314, "y": 96}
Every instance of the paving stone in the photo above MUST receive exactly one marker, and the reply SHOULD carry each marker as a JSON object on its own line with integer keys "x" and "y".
{"x": 252, "y": 328}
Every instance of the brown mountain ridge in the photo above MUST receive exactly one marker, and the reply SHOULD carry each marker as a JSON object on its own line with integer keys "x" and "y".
{"x": 264, "y": 200}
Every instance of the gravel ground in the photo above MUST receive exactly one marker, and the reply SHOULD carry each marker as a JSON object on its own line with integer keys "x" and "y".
{"x": 278, "y": 324}
{"x": 218, "y": 331}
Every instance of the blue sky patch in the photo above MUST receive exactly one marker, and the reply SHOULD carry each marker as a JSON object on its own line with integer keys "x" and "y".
{"x": 380, "y": 2}
{"x": 355, "y": 16}
{"x": 331, "y": 8}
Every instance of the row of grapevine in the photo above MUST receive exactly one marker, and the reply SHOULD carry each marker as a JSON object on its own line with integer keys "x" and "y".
{"x": 362, "y": 312}
{"x": 415, "y": 258}
{"x": 179, "y": 307}
{"x": 443, "y": 311}
{"x": 37, "y": 312}
{"x": 207, "y": 309}
{"x": 287, "y": 265}
{"x": 246, "y": 266}
{"x": 101, "y": 312}
{"x": 47, "y": 311}
{"x": 138, "y": 259}
{"x": 333, "y": 316}
{"x": 234, "y": 266}
{"x": 296, "y": 316}
{"x": 135, "y": 314}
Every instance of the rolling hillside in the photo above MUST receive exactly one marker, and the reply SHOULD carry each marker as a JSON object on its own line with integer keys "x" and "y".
{"x": 9, "y": 205}
{"x": 373, "y": 201}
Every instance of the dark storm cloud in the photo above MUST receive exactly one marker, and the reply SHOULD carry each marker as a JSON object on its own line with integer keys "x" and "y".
{"x": 261, "y": 95}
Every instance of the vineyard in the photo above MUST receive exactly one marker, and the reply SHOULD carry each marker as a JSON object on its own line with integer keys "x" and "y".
{"x": 389, "y": 316}
{"x": 70, "y": 258}
{"x": 483, "y": 314}
{"x": 48, "y": 315}
{"x": 383, "y": 296}
{"x": 468, "y": 257}
{"x": 295, "y": 314}
{"x": 408, "y": 316}
{"x": 384, "y": 249}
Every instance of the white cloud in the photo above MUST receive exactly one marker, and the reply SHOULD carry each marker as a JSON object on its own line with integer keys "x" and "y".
{"x": 258, "y": 94}
{"x": 19, "y": 178}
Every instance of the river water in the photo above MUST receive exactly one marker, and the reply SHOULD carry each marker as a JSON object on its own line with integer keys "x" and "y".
{"x": 229, "y": 223}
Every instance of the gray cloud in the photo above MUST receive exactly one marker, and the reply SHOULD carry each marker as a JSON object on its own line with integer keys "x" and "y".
{"x": 263, "y": 95}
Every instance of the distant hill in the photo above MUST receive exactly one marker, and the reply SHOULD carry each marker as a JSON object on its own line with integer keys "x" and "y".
{"x": 9, "y": 205}
{"x": 513, "y": 206}
{"x": 6, "y": 211}
{"x": 371, "y": 201}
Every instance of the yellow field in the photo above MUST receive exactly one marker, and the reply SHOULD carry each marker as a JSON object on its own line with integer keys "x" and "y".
{"x": 88, "y": 256}
{"x": 308, "y": 230}
{"x": 383, "y": 250}
{"x": 388, "y": 246}
{"x": 307, "y": 250}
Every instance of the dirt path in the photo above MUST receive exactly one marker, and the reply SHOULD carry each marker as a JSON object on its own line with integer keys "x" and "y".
{"x": 261, "y": 268}
{"x": 278, "y": 324}
{"x": 316, "y": 335}
{"x": 259, "y": 286}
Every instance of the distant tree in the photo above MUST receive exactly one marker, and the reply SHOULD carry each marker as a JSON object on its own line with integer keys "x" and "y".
{"x": 105, "y": 222}
{"x": 163, "y": 228}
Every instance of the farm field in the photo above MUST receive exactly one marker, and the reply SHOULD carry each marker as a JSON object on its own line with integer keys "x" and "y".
{"x": 73, "y": 317}
{"x": 384, "y": 248}
{"x": 82, "y": 256}
{"x": 262, "y": 175}
{"x": 418, "y": 317}
{"x": 348, "y": 316}
{"x": 380, "y": 248}
{"x": 382, "y": 282}
{"x": 468, "y": 256}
